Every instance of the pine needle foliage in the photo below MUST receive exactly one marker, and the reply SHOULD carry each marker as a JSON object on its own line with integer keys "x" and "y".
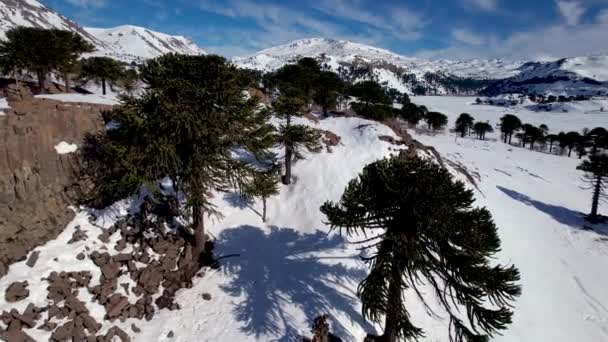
{"x": 426, "y": 231}
{"x": 187, "y": 127}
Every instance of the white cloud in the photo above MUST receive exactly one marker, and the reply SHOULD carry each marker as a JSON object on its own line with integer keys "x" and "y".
{"x": 556, "y": 41}
{"x": 572, "y": 11}
{"x": 483, "y": 5}
{"x": 88, "y": 3}
{"x": 467, "y": 37}
{"x": 602, "y": 17}
{"x": 401, "y": 22}
{"x": 277, "y": 24}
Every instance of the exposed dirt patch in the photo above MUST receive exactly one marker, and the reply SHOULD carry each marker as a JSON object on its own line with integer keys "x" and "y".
{"x": 36, "y": 184}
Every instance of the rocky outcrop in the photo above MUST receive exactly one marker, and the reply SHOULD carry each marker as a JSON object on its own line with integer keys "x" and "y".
{"x": 36, "y": 184}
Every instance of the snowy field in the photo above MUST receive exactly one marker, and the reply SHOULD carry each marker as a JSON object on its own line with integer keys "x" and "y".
{"x": 290, "y": 270}
{"x": 538, "y": 201}
{"x": 583, "y": 114}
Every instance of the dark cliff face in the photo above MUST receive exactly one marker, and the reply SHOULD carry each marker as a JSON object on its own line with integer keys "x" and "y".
{"x": 37, "y": 185}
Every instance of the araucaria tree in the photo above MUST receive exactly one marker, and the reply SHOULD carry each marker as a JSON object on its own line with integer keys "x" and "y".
{"x": 426, "y": 231}
{"x": 102, "y": 69}
{"x": 329, "y": 86}
{"x": 263, "y": 185}
{"x": 596, "y": 175}
{"x": 294, "y": 138}
{"x": 435, "y": 120}
{"x": 186, "y": 126}
{"x": 42, "y": 51}
{"x": 508, "y": 125}
{"x": 464, "y": 124}
{"x": 481, "y": 128}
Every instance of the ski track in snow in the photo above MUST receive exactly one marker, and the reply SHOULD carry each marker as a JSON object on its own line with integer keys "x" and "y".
{"x": 290, "y": 270}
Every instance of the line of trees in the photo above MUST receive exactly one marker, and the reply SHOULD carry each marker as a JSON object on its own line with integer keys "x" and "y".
{"x": 586, "y": 142}
{"x": 42, "y": 52}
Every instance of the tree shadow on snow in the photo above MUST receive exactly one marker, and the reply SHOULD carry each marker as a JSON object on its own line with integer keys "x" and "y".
{"x": 276, "y": 269}
{"x": 569, "y": 217}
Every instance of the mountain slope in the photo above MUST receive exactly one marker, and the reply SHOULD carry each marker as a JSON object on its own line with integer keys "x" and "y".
{"x": 138, "y": 43}
{"x": 275, "y": 277}
{"x": 32, "y": 13}
{"x": 125, "y": 43}
{"x": 357, "y": 61}
{"x": 568, "y": 76}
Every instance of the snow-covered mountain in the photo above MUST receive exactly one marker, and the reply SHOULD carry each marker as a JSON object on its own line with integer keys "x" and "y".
{"x": 568, "y": 76}
{"x": 31, "y": 13}
{"x": 129, "y": 43}
{"x": 354, "y": 61}
{"x": 126, "y": 43}
{"x": 357, "y": 61}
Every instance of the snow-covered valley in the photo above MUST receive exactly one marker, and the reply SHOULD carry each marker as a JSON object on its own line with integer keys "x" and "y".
{"x": 276, "y": 277}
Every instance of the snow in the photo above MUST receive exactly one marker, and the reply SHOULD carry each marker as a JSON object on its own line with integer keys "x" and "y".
{"x": 65, "y": 148}
{"x": 3, "y": 105}
{"x": 110, "y": 99}
{"x": 595, "y": 67}
{"x": 582, "y": 114}
{"x": 538, "y": 201}
{"x": 278, "y": 276}
{"x": 129, "y": 42}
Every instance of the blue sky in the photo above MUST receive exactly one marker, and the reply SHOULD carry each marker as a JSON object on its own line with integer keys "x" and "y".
{"x": 452, "y": 29}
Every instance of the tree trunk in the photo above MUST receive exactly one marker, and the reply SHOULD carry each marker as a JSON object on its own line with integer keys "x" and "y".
{"x": 103, "y": 85}
{"x": 531, "y": 145}
{"x": 596, "y": 199}
{"x": 462, "y": 133}
{"x": 510, "y": 136}
{"x": 569, "y": 151}
{"x": 66, "y": 78}
{"x": 264, "y": 209}
{"x": 198, "y": 225}
{"x": 41, "y": 81}
{"x": 551, "y": 147}
{"x": 288, "y": 157}
{"x": 395, "y": 300}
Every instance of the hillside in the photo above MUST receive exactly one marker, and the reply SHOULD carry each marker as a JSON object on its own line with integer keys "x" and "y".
{"x": 568, "y": 76}
{"x": 358, "y": 61}
{"x": 134, "y": 43}
{"x": 275, "y": 277}
{"x": 125, "y": 43}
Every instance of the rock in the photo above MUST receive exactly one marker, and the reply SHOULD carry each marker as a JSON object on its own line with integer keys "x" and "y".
{"x": 76, "y": 305}
{"x": 80, "y": 256}
{"x": 110, "y": 270}
{"x": 120, "y": 245}
{"x": 170, "y": 334}
{"x": 17, "y": 291}
{"x": 117, "y": 332}
{"x": 104, "y": 237}
{"x": 48, "y": 326}
{"x": 28, "y": 319}
{"x": 206, "y": 296}
{"x": 78, "y": 235}
{"x": 116, "y": 303}
{"x": 16, "y": 336}
{"x": 31, "y": 261}
{"x": 100, "y": 259}
{"x": 63, "y": 332}
{"x": 133, "y": 311}
{"x": 135, "y": 328}
{"x": 78, "y": 332}
{"x": 125, "y": 286}
{"x": 90, "y": 323}
{"x": 124, "y": 257}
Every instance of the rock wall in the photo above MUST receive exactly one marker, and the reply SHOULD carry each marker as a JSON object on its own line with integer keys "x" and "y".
{"x": 36, "y": 183}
